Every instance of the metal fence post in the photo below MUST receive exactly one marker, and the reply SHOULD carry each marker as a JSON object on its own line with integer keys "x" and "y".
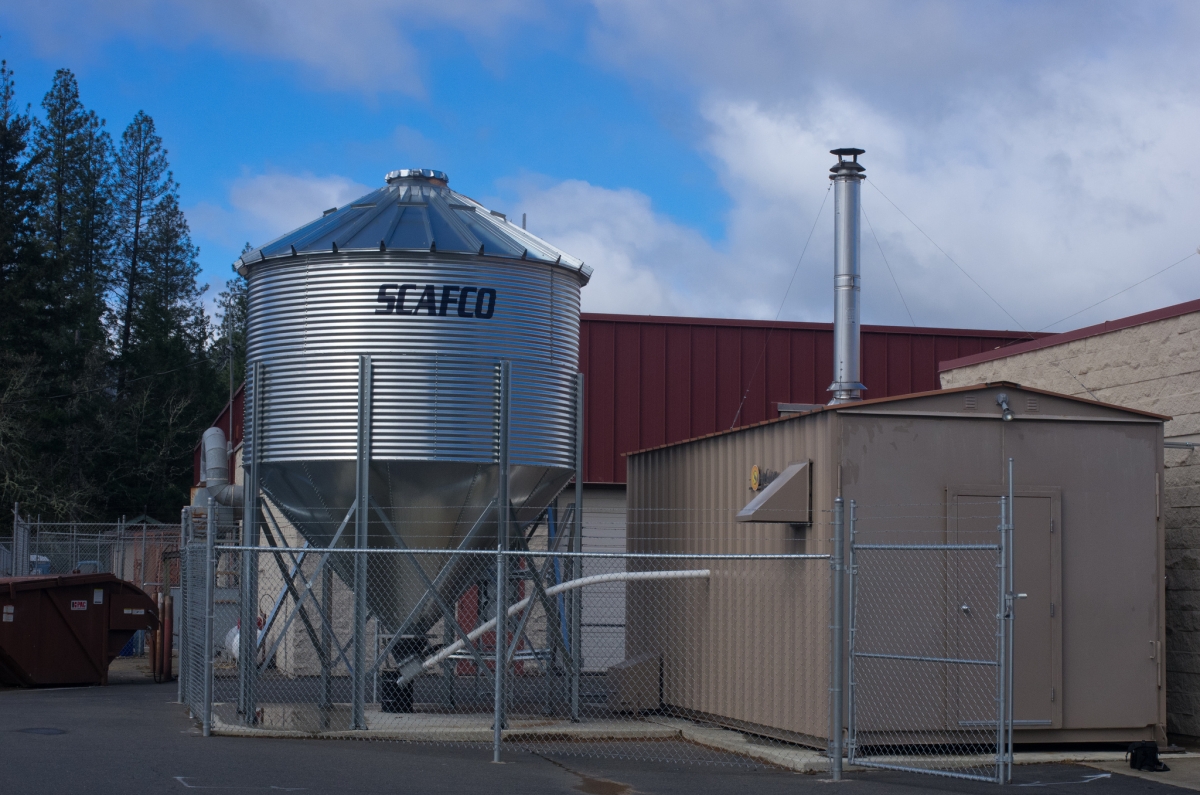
{"x": 502, "y": 522}
{"x": 1010, "y": 515}
{"x": 576, "y": 595}
{"x": 1001, "y": 643}
{"x": 326, "y": 644}
{"x": 248, "y": 637}
{"x": 362, "y": 515}
{"x": 141, "y": 571}
{"x": 19, "y": 565}
{"x": 185, "y": 599}
{"x": 837, "y": 639}
{"x": 850, "y": 572}
{"x": 210, "y": 587}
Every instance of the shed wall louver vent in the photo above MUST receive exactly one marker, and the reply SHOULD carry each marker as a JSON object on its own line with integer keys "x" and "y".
{"x": 787, "y": 499}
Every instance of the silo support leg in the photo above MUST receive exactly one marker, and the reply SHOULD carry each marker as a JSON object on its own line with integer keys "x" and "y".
{"x": 362, "y": 516}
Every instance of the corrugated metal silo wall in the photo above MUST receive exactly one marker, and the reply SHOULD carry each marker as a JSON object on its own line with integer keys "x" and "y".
{"x": 761, "y": 655}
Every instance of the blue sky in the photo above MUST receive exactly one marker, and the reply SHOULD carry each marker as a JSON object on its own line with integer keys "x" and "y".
{"x": 680, "y": 147}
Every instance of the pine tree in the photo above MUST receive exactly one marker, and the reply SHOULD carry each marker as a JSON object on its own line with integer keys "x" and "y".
{"x": 233, "y": 311}
{"x": 63, "y": 340}
{"x": 92, "y": 233}
{"x": 19, "y": 260}
{"x": 143, "y": 179}
{"x": 88, "y": 239}
{"x": 19, "y": 266}
{"x": 71, "y": 166}
{"x": 172, "y": 389}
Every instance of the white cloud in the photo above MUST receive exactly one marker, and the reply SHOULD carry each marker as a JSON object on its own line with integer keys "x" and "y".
{"x": 260, "y": 208}
{"x": 644, "y": 263}
{"x": 1049, "y": 148}
{"x": 363, "y": 45}
{"x": 1048, "y": 211}
{"x": 278, "y": 203}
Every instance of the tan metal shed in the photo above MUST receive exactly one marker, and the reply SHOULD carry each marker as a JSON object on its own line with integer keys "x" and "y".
{"x": 1088, "y": 541}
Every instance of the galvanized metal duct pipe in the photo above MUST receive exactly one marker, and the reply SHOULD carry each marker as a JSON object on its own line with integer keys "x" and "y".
{"x": 847, "y": 179}
{"x": 214, "y": 462}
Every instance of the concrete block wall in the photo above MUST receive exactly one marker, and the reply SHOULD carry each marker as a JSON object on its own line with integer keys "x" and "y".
{"x": 1154, "y": 367}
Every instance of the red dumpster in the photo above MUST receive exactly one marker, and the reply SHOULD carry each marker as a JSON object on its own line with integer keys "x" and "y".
{"x": 66, "y": 629}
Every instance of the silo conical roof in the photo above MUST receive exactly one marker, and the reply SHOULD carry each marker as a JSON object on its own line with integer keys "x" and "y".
{"x": 416, "y": 211}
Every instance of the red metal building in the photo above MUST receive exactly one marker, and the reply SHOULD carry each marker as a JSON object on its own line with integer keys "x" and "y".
{"x": 654, "y": 380}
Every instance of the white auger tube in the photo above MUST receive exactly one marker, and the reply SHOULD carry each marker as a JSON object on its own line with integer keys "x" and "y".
{"x": 414, "y": 667}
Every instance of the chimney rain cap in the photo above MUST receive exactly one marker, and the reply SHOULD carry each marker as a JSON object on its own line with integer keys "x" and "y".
{"x": 843, "y": 164}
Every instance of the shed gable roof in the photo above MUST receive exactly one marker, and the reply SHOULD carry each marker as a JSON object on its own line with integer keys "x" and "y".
{"x": 899, "y": 402}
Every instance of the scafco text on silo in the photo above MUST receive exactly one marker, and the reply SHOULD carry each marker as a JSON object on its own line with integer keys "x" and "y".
{"x": 394, "y": 297}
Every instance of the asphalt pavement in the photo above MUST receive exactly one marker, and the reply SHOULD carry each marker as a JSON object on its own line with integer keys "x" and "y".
{"x": 132, "y": 739}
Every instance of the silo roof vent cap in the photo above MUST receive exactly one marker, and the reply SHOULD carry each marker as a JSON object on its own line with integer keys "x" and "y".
{"x": 416, "y": 173}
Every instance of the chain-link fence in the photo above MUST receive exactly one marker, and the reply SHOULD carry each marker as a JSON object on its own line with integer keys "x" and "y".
{"x": 690, "y": 655}
{"x": 688, "y": 644}
{"x": 143, "y": 553}
{"x": 132, "y": 551}
{"x": 927, "y": 658}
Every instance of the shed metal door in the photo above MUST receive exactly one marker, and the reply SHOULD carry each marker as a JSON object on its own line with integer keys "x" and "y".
{"x": 1037, "y": 697}
{"x": 1035, "y": 691}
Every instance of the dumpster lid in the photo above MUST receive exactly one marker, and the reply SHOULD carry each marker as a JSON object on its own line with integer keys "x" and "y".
{"x": 42, "y": 581}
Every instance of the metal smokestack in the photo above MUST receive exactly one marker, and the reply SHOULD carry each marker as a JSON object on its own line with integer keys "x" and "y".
{"x": 847, "y": 179}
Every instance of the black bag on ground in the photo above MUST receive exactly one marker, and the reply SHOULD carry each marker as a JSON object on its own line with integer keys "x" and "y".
{"x": 1144, "y": 756}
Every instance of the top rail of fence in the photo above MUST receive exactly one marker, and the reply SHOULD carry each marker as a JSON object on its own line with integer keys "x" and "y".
{"x": 930, "y": 547}
{"x": 532, "y": 553}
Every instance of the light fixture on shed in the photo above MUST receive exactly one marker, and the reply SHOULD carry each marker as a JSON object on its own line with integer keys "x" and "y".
{"x": 1006, "y": 414}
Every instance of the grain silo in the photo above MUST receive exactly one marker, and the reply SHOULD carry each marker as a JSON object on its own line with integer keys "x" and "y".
{"x": 377, "y": 339}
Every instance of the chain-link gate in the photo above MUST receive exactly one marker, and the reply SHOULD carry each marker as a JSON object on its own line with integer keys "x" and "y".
{"x": 929, "y": 660}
